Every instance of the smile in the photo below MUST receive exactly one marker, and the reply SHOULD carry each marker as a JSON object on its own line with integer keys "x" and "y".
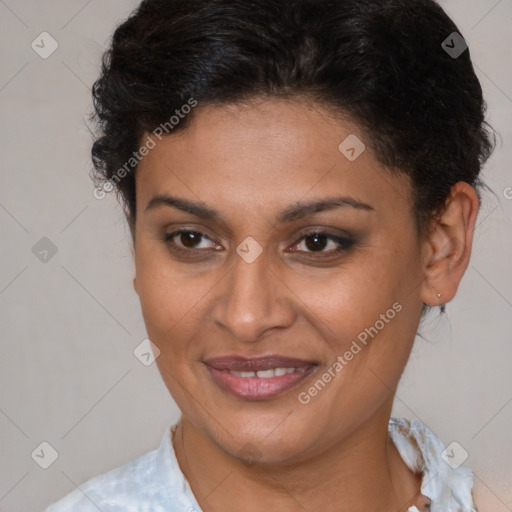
{"x": 267, "y": 374}
{"x": 258, "y": 378}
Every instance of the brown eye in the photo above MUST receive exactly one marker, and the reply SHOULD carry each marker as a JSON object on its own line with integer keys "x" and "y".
{"x": 316, "y": 242}
{"x": 189, "y": 240}
{"x": 322, "y": 243}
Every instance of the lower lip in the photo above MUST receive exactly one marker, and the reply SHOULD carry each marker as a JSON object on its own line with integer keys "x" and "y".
{"x": 256, "y": 388}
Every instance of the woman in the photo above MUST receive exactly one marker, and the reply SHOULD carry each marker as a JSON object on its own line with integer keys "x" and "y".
{"x": 300, "y": 180}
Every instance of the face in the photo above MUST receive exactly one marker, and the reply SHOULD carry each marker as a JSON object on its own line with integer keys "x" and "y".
{"x": 278, "y": 278}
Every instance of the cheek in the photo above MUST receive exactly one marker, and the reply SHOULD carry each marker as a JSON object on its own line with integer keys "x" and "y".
{"x": 366, "y": 311}
{"x": 169, "y": 298}
{"x": 171, "y": 304}
{"x": 350, "y": 297}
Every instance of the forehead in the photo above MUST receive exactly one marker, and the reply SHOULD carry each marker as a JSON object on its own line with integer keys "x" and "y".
{"x": 267, "y": 153}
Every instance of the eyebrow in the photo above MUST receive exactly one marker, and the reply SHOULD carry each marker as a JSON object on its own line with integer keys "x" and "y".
{"x": 294, "y": 212}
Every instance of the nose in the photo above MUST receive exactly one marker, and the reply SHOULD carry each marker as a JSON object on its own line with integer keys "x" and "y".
{"x": 253, "y": 301}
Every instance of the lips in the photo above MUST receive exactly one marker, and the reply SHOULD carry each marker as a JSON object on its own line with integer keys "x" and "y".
{"x": 242, "y": 364}
{"x": 259, "y": 377}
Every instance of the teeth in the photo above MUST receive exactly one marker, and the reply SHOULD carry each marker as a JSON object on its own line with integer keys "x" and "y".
{"x": 267, "y": 374}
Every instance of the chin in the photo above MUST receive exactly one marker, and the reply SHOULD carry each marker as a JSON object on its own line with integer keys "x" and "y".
{"x": 266, "y": 438}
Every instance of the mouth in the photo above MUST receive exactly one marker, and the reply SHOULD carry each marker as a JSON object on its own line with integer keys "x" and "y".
{"x": 258, "y": 378}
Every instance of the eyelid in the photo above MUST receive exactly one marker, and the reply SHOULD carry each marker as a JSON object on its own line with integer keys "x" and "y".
{"x": 167, "y": 238}
{"x": 344, "y": 241}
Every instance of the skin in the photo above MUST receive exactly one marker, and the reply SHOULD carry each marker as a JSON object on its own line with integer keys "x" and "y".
{"x": 250, "y": 162}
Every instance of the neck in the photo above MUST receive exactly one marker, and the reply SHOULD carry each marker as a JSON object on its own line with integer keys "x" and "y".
{"x": 362, "y": 472}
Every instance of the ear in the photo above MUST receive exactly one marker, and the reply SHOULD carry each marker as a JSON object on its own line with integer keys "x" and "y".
{"x": 447, "y": 248}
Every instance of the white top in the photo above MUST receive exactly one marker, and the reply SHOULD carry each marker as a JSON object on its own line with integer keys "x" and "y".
{"x": 154, "y": 482}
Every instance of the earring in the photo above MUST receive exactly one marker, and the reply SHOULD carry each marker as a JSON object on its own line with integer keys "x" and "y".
{"x": 442, "y": 306}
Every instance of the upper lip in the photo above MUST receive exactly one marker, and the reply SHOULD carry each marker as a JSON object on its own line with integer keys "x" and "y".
{"x": 248, "y": 364}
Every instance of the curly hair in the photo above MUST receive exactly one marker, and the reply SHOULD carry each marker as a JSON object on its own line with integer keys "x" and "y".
{"x": 383, "y": 63}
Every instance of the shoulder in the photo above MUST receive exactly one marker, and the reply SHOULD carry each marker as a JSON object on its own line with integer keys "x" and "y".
{"x": 120, "y": 489}
{"x": 152, "y": 482}
{"x": 445, "y": 481}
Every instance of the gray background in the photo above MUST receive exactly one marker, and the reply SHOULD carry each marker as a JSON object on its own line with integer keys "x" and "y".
{"x": 69, "y": 325}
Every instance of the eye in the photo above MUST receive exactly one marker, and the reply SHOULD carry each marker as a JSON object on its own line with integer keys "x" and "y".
{"x": 323, "y": 243}
{"x": 186, "y": 240}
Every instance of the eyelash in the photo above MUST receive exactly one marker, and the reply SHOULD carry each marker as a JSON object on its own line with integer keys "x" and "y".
{"x": 344, "y": 243}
